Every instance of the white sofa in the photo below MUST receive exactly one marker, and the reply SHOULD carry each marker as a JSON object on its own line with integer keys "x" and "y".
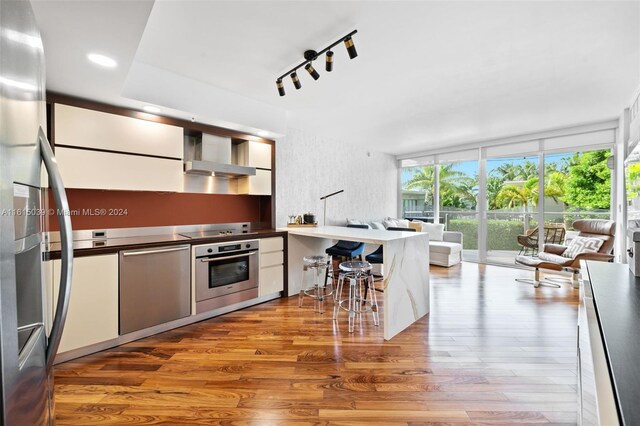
{"x": 447, "y": 252}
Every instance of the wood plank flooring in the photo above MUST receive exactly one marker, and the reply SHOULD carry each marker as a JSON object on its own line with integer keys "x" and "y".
{"x": 491, "y": 352}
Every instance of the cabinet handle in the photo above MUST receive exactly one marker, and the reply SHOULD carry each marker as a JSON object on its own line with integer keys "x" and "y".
{"x": 139, "y": 253}
{"x": 66, "y": 250}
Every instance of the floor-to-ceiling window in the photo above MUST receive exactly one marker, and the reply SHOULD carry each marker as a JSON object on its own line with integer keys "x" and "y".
{"x": 577, "y": 186}
{"x": 458, "y": 196}
{"x": 418, "y": 182}
{"x": 509, "y": 199}
{"x": 512, "y": 205}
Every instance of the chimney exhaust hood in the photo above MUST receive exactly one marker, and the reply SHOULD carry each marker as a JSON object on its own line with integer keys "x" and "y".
{"x": 211, "y": 155}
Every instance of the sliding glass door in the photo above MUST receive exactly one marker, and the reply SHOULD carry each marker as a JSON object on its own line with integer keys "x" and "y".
{"x": 512, "y": 206}
{"x": 458, "y": 202}
{"x": 577, "y": 186}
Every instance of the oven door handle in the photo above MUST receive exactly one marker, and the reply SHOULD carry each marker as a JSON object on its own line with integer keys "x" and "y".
{"x": 213, "y": 259}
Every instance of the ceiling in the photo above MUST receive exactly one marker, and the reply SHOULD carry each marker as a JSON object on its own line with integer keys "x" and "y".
{"x": 429, "y": 73}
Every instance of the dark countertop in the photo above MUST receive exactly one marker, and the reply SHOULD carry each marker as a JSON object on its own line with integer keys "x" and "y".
{"x": 114, "y": 245}
{"x": 616, "y": 295}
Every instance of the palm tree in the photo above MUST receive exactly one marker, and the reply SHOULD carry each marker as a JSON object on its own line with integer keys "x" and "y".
{"x": 494, "y": 185}
{"x": 456, "y": 188}
{"x": 511, "y": 196}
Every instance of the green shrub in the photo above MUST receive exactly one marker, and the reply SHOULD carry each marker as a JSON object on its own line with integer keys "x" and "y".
{"x": 501, "y": 233}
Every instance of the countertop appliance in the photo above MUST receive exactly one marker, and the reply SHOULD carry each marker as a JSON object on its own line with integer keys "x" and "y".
{"x": 155, "y": 286}
{"x": 26, "y": 353}
{"x": 633, "y": 250}
{"x": 225, "y": 273}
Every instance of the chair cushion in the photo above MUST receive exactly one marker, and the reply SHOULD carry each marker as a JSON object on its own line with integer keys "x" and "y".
{"x": 539, "y": 263}
{"x": 444, "y": 247}
{"x": 582, "y": 245}
{"x": 348, "y": 251}
{"x": 554, "y": 258}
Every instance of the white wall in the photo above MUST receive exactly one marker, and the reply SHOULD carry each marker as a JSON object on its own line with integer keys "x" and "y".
{"x": 310, "y": 166}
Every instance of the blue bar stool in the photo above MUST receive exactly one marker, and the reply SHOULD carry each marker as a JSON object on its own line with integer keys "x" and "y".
{"x": 320, "y": 266}
{"x": 377, "y": 257}
{"x": 359, "y": 276}
{"x": 345, "y": 250}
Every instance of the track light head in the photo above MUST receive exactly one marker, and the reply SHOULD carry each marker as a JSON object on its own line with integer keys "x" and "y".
{"x": 280, "y": 87}
{"x": 296, "y": 80}
{"x": 312, "y": 72}
{"x": 351, "y": 48}
{"x": 329, "y": 61}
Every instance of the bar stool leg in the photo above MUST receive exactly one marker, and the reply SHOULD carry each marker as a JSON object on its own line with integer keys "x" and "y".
{"x": 352, "y": 303}
{"x": 301, "y": 297}
{"x": 373, "y": 299}
{"x": 319, "y": 292}
{"x": 336, "y": 297}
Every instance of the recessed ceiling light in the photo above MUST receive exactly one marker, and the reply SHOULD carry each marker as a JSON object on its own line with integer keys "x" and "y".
{"x": 263, "y": 133}
{"x": 151, "y": 109}
{"x": 102, "y": 60}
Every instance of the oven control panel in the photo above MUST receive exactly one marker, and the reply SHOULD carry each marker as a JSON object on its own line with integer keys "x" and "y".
{"x": 226, "y": 247}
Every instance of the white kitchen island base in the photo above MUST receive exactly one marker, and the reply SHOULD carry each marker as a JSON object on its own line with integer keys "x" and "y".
{"x": 406, "y": 267}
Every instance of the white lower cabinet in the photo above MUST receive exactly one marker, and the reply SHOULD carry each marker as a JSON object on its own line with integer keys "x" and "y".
{"x": 271, "y": 266}
{"x": 93, "y": 306}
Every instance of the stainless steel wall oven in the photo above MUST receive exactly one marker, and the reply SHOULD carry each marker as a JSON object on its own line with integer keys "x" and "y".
{"x": 225, "y": 273}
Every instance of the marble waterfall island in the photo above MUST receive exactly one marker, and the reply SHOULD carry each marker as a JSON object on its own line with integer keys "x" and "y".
{"x": 405, "y": 265}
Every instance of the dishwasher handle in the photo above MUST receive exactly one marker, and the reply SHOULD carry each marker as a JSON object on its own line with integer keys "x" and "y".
{"x": 142, "y": 252}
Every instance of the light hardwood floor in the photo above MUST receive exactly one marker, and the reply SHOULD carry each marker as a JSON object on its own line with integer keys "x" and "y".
{"x": 490, "y": 352}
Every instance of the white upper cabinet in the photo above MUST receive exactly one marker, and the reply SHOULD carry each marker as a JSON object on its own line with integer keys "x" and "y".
{"x": 260, "y": 184}
{"x": 254, "y": 154}
{"x": 99, "y": 130}
{"x": 86, "y": 169}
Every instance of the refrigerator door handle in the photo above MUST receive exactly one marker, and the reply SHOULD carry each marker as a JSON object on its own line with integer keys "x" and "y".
{"x": 66, "y": 240}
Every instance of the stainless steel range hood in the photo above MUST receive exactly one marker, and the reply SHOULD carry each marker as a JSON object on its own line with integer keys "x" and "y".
{"x": 208, "y": 168}
{"x": 211, "y": 155}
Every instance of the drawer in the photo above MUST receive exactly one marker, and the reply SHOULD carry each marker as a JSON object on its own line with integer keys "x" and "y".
{"x": 271, "y": 244}
{"x": 271, "y": 259}
{"x": 271, "y": 280}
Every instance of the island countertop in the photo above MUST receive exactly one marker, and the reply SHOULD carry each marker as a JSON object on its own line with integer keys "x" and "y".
{"x": 369, "y": 236}
{"x": 405, "y": 267}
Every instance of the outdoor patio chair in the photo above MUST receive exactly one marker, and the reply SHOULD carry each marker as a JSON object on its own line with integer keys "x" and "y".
{"x": 553, "y": 234}
{"x": 596, "y": 244}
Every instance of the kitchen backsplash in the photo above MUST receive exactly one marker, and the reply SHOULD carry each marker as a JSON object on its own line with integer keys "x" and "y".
{"x": 96, "y": 209}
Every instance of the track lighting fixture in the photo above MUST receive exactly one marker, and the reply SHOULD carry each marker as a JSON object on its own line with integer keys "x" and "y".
{"x": 329, "y": 61}
{"x": 312, "y": 71}
{"x": 351, "y": 48}
{"x": 312, "y": 55}
{"x": 280, "y": 86}
{"x": 296, "y": 80}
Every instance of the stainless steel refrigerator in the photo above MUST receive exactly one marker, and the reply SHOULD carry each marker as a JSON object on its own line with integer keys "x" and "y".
{"x": 26, "y": 352}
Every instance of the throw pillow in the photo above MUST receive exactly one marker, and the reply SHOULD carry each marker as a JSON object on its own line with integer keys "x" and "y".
{"x": 582, "y": 245}
{"x": 416, "y": 224}
{"x": 354, "y": 222}
{"x": 376, "y": 225}
{"x": 403, "y": 223}
{"x": 435, "y": 230}
{"x": 388, "y": 223}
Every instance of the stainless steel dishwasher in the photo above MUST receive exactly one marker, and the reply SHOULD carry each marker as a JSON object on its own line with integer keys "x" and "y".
{"x": 155, "y": 286}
